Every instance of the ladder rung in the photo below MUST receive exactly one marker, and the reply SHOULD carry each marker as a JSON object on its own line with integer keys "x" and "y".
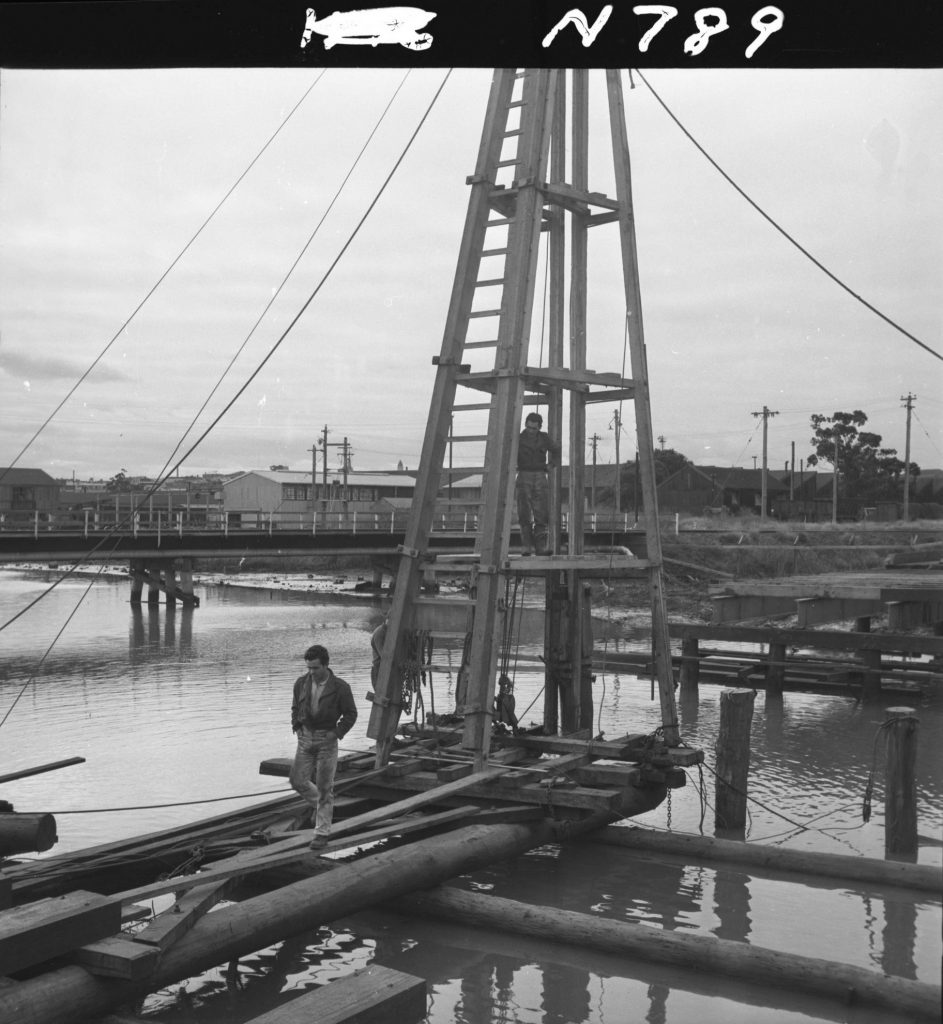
{"x": 486, "y": 312}
{"x": 508, "y": 163}
{"x": 470, "y": 406}
{"x": 481, "y": 344}
{"x": 494, "y": 252}
{"x": 516, "y": 103}
{"x": 490, "y": 282}
{"x": 513, "y": 132}
{"x": 500, "y": 222}
{"x": 468, "y": 437}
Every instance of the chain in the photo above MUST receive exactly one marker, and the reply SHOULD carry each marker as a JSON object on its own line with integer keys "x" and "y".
{"x": 669, "y": 810}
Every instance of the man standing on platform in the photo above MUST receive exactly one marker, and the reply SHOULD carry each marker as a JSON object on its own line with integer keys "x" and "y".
{"x": 533, "y": 489}
{"x": 322, "y": 711}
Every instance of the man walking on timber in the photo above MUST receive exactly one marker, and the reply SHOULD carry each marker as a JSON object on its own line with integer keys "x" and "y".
{"x": 322, "y": 711}
{"x": 533, "y": 490}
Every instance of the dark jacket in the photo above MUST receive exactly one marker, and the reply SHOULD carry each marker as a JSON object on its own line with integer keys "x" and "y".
{"x": 336, "y": 708}
{"x": 532, "y": 454}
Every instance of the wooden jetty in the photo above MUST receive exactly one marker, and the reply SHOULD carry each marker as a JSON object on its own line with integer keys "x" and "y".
{"x": 776, "y": 658}
{"x": 906, "y": 598}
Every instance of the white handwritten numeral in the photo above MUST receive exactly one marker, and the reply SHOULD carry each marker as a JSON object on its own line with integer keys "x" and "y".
{"x": 764, "y": 28}
{"x": 665, "y": 14}
{"x": 578, "y": 18}
{"x": 698, "y": 42}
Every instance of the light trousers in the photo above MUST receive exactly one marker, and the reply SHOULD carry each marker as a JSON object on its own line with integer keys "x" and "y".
{"x": 312, "y": 774}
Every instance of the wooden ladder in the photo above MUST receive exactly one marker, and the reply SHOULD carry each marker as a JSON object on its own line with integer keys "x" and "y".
{"x": 518, "y": 191}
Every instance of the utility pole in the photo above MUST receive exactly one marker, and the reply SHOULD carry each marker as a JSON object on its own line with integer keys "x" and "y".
{"x": 661, "y": 441}
{"x": 324, "y": 466}
{"x": 835, "y": 479}
{"x": 616, "y": 425}
{"x": 314, "y": 474}
{"x": 908, "y": 405}
{"x": 792, "y": 473}
{"x": 593, "y": 443}
{"x": 346, "y": 453}
{"x": 766, "y": 413}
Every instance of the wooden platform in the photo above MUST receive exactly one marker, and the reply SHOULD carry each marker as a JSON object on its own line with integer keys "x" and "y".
{"x": 550, "y": 772}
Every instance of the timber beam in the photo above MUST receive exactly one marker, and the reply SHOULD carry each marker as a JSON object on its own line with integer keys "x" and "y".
{"x": 824, "y": 639}
{"x": 737, "y": 607}
{"x": 811, "y": 610}
{"x": 634, "y": 748}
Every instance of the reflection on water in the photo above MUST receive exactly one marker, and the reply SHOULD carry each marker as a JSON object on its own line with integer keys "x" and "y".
{"x": 175, "y": 705}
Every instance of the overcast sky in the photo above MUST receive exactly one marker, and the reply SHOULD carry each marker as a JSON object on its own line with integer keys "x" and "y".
{"x": 105, "y": 176}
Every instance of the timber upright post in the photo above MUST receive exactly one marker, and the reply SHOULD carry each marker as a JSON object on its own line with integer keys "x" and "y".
{"x": 900, "y": 788}
{"x": 733, "y": 758}
{"x": 690, "y": 667}
{"x": 775, "y": 671}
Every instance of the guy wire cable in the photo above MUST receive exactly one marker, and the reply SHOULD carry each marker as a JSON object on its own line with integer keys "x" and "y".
{"x": 805, "y": 252}
{"x": 260, "y": 366}
{"x": 160, "y": 280}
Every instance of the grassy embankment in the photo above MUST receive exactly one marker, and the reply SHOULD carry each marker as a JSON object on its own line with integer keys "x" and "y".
{"x": 708, "y": 551}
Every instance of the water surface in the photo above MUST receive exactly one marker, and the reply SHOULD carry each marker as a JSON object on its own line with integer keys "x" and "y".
{"x": 174, "y": 709}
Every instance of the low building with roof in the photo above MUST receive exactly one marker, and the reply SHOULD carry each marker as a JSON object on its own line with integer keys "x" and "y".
{"x": 27, "y": 491}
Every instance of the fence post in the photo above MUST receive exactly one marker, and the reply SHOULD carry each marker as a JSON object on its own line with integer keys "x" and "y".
{"x": 85, "y": 534}
{"x": 36, "y": 524}
{"x": 733, "y": 758}
{"x": 900, "y": 789}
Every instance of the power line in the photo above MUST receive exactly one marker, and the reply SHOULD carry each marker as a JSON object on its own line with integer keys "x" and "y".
{"x": 805, "y": 252}
{"x": 159, "y": 281}
{"x": 327, "y": 273}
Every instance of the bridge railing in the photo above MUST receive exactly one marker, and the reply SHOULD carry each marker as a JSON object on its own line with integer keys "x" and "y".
{"x": 88, "y": 522}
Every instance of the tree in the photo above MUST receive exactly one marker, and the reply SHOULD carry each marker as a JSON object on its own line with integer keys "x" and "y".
{"x": 866, "y": 471}
{"x": 668, "y": 462}
{"x": 119, "y": 482}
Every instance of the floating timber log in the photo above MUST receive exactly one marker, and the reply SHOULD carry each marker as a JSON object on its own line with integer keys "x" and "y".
{"x": 827, "y": 979}
{"x": 373, "y": 995}
{"x": 69, "y": 995}
{"x": 861, "y": 870}
{"x": 26, "y": 833}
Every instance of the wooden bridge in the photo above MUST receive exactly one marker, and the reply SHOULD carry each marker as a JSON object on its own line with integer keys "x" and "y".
{"x": 161, "y": 554}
